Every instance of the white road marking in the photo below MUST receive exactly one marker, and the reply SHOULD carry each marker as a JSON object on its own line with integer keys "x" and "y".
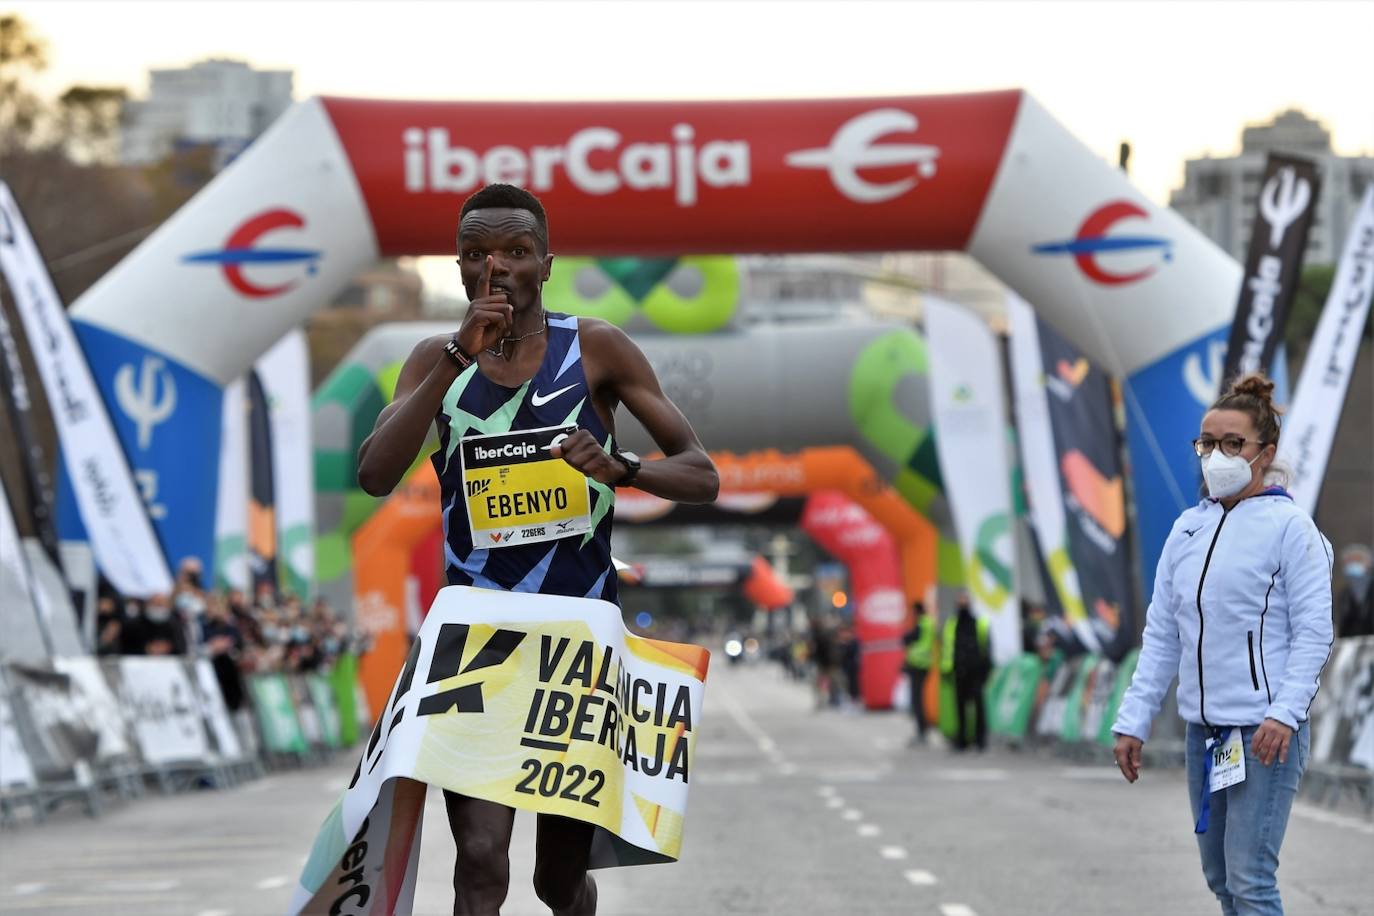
{"x": 869, "y": 830}
{"x": 971, "y": 775}
{"x": 27, "y": 888}
{"x": 726, "y": 778}
{"x": 956, "y": 909}
{"x": 852, "y": 814}
{"x": 834, "y": 801}
{"x": 746, "y": 722}
{"x": 920, "y": 878}
{"x": 1106, "y": 774}
{"x": 788, "y": 769}
{"x": 261, "y": 785}
{"x": 138, "y": 887}
{"x": 215, "y": 913}
{"x": 1322, "y": 816}
{"x": 892, "y": 852}
{"x": 272, "y": 883}
{"x": 825, "y": 791}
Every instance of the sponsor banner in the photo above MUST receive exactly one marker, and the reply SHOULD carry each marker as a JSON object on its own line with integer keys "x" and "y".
{"x": 14, "y": 394}
{"x": 1124, "y": 672}
{"x": 343, "y": 680}
{"x": 1045, "y": 495}
{"x": 262, "y": 489}
{"x": 1284, "y": 210}
{"x": 1073, "y": 701}
{"x": 284, "y": 372}
{"x": 1011, "y": 703}
{"x": 27, "y": 637}
{"x": 124, "y": 543}
{"x": 55, "y": 724}
{"x": 1096, "y": 703}
{"x": 694, "y": 177}
{"x": 881, "y": 616}
{"x": 1050, "y": 720}
{"x": 16, "y": 772}
{"x": 1164, "y": 407}
{"x": 1128, "y": 281}
{"x": 281, "y": 729}
{"x": 1343, "y": 712}
{"x": 1092, "y": 486}
{"x": 969, "y": 412}
{"x": 272, "y": 238}
{"x": 538, "y": 702}
{"x": 231, "y": 500}
{"x": 1310, "y": 426}
{"x": 213, "y": 712}
{"x": 517, "y": 493}
{"x": 163, "y": 709}
{"x": 322, "y": 699}
{"x": 92, "y": 695}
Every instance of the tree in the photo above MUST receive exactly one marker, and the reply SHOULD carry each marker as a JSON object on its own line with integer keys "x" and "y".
{"x": 22, "y": 55}
{"x": 88, "y": 119}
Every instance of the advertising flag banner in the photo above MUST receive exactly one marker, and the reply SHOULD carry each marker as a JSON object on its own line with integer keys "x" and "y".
{"x": 970, "y": 416}
{"x": 1284, "y": 209}
{"x": 1091, "y": 484}
{"x": 1044, "y": 493}
{"x": 125, "y": 545}
{"x": 284, "y": 372}
{"x": 538, "y": 702}
{"x": 14, "y": 394}
{"x": 1310, "y": 426}
{"x": 231, "y": 502}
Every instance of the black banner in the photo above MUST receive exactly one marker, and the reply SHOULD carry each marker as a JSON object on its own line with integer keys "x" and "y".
{"x": 14, "y": 393}
{"x": 262, "y": 501}
{"x": 1284, "y": 209}
{"x": 1090, "y": 473}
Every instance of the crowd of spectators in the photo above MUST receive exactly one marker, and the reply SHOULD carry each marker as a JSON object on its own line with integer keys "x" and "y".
{"x": 270, "y": 632}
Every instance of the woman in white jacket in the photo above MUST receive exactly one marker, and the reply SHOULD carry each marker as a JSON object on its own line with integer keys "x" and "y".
{"x": 1241, "y": 613}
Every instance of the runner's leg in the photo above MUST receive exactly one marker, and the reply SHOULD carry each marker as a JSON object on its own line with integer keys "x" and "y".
{"x": 562, "y": 850}
{"x": 481, "y": 874}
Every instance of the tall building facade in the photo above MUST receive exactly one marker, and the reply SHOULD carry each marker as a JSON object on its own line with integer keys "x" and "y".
{"x": 223, "y": 104}
{"x": 1218, "y": 194}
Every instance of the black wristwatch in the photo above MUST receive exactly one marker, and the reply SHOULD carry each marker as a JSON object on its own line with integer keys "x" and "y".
{"x": 632, "y": 465}
{"x": 461, "y": 358}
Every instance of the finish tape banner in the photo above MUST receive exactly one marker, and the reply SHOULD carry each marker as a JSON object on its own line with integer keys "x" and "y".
{"x": 538, "y": 702}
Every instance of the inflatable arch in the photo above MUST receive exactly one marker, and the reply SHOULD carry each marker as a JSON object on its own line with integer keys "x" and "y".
{"x": 336, "y": 183}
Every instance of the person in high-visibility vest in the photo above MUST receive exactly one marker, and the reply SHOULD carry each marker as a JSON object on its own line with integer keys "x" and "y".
{"x": 920, "y": 644}
{"x": 965, "y": 654}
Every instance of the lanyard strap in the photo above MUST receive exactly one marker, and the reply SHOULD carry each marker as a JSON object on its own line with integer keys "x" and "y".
{"x": 1205, "y": 806}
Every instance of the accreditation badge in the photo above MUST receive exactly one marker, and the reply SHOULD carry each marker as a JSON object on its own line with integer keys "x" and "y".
{"x": 518, "y": 493}
{"x": 1228, "y": 761}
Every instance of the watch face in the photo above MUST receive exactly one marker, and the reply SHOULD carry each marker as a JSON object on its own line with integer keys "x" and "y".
{"x": 631, "y": 457}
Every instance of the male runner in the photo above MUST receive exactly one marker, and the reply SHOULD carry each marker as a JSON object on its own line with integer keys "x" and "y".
{"x": 513, "y": 366}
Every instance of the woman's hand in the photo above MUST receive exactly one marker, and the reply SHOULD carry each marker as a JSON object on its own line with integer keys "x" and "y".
{"x": 1127, "y": 754}
{"x": 1271, "y": 738}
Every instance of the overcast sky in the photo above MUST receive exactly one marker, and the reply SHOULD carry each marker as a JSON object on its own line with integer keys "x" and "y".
{"x": 1177, "y": 79}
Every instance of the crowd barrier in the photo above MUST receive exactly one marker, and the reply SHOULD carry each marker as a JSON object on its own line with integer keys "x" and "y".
{"x": 1070, "y": 705}
{"x": 87, "y": 730}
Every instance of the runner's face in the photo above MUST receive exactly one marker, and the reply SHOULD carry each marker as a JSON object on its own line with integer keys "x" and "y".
{"x": 519, "y": 264}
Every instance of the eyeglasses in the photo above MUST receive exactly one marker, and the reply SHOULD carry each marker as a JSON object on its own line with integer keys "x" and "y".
{"x": 1230, "y": 445}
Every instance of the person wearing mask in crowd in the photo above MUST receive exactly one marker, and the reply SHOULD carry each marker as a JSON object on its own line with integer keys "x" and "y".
{"x": 109, "y": 626}
{"x": 161, "y": 632}
{"x": 920, "y": 643}
{"x": 223, "y": 642}
{"x": 1241, "y": 614}
{"x": 1355, "y": 609}
{"x": 966, "y": 656}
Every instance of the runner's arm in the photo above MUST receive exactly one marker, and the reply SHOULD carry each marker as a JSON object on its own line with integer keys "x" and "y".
{"x": 403, "y": 424}
{"x": 686, "y": 473}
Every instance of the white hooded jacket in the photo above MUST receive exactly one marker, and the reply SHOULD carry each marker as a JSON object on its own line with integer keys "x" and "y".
{"x": 1241, "y": 613}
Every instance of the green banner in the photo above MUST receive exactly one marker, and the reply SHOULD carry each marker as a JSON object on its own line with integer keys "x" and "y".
{"x": 1124, "y": 673}
{"x": 1009, "y": 709}
{"x": 1072, "y": 729}
{"x": 344, "y": 679}
{"x": 281, "y": 729}
{"x": 322, "y": 698}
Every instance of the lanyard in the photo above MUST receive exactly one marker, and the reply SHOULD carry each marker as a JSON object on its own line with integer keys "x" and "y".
{"x": 1205, "y": 807}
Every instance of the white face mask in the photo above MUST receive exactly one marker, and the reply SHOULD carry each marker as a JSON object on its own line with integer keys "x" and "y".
{"x": 1226, "y": 475}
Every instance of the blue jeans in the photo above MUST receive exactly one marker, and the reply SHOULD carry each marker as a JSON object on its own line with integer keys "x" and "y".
{"x": 1240, "y": 850}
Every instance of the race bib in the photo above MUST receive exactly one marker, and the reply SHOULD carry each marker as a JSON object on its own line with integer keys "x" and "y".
{"x": 518, "y": 493}
{"x": 1228, "y": 761}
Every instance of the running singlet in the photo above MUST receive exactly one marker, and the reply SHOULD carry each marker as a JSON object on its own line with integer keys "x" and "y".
{"x": 578, "y": 566}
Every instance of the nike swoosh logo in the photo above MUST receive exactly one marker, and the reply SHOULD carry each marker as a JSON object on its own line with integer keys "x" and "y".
{"x": 539, "y": 400}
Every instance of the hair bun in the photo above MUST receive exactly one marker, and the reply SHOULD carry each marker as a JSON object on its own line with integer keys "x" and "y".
{"x": 1259, "y": 386}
